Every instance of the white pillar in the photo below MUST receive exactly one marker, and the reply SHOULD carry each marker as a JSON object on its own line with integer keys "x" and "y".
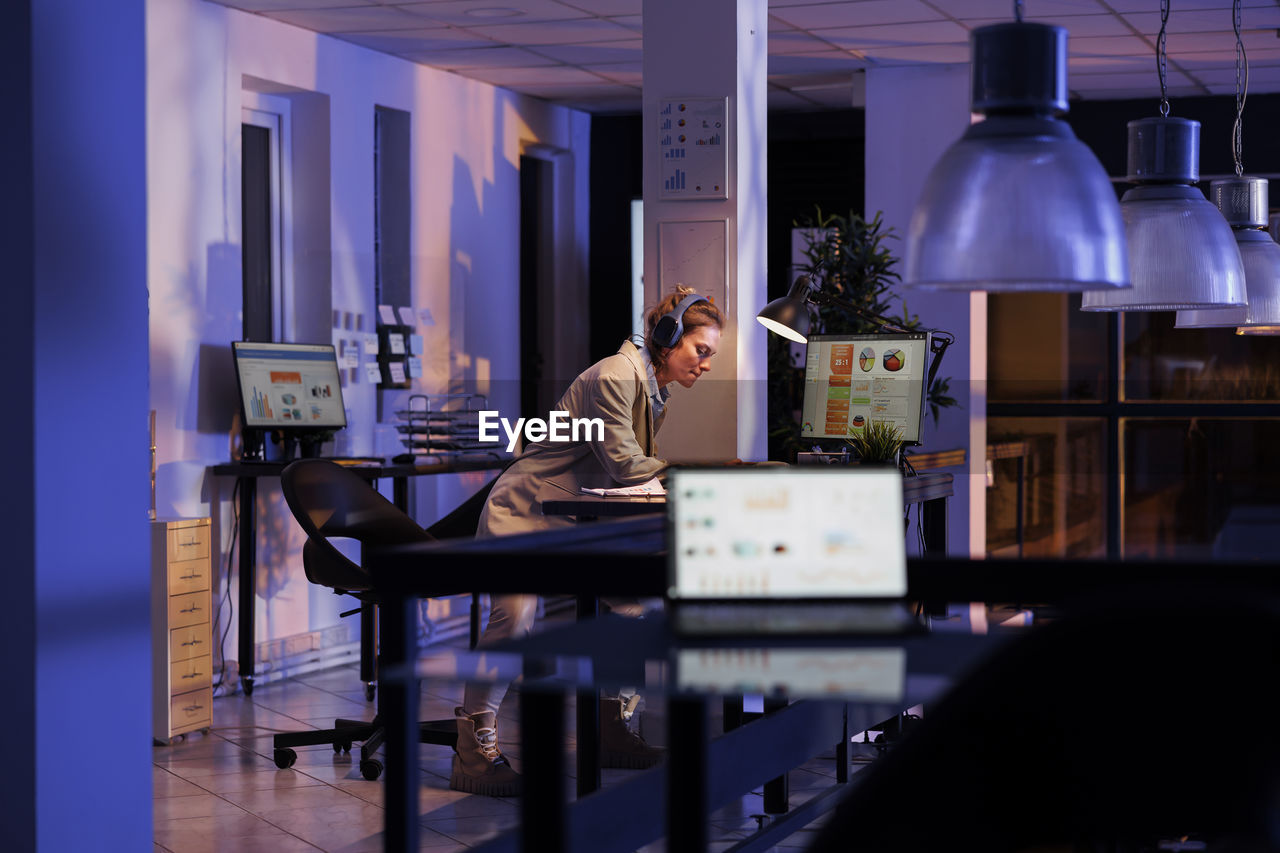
{"x": 699, "y": 54}
{"x": 913, "y": 115}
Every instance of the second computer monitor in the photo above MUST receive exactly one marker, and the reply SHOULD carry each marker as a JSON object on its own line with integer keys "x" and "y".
{"x": 851, "y": 381}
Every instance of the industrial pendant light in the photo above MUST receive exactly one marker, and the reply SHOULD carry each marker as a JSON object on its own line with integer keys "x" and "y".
{"x": 1244, "y": 204}
{"x": 1017, "y": 203}
{"x": 1182, "y": 253}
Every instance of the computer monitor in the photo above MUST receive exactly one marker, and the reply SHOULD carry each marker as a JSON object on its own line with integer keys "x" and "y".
{"x": 292, "y": 387}
{"x": 853, "y": 380}
{"x": 820, "y": 533}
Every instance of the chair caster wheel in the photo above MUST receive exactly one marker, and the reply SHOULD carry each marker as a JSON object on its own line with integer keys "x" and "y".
{"x": 371, "y": 769}
{"x": 370, "y": 690}
{"x": 285, "y": 758}
{"x": 342, "y": 746}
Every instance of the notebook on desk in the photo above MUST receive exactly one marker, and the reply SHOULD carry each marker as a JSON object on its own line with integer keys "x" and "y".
{"x": 786, "y": 551}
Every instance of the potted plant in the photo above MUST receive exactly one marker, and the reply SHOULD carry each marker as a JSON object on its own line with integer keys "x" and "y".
{"x": 848, "y": 257}
{"x": 877, "y": 443}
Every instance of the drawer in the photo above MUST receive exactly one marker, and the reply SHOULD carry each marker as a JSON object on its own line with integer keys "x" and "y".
{"x": 191, "y": 710}
{"x": 190, "y": 608}
{"x": 192, "y": 674}
{"x": 190, "y": 642}
{"x": 188, "y": 543}
{"x": 188, "y": 575}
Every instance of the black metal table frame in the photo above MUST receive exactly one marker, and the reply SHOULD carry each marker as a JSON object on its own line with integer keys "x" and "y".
{"x": 247, "y": 475}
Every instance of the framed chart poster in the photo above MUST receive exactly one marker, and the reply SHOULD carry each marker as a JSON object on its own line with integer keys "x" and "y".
{"x": 692, "y": 146}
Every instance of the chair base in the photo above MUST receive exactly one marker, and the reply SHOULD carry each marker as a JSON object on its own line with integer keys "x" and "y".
{"x": 370, "y": 734}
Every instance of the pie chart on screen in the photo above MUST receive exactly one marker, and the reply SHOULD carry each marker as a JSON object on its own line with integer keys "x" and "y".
{"x": 867, "y": 359}
{"x": 893, "y": 360}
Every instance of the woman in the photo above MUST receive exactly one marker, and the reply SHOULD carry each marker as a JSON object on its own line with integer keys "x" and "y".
{"x": 628, "y": 392}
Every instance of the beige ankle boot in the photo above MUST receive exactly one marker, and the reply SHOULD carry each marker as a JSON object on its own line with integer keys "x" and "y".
{"x": 480, "y": 767}
{"x": 619, "y": 746}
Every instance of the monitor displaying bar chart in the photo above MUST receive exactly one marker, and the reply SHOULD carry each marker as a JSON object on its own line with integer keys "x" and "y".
{"x": 289, "y": 386}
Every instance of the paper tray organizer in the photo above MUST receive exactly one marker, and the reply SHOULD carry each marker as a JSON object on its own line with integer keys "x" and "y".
{"x": 446, "y": 425}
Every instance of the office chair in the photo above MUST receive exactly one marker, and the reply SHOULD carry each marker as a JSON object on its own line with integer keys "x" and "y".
{"x": 330, "y": 501}
{"x": 1120, "y": 726}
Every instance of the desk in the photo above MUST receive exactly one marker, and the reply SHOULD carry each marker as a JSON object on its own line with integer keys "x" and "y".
{"x": 561, "y": 560}
{"x": 700, "y": 774}
{"x": 930, "y": 491}
{"x": 247, "y": 475}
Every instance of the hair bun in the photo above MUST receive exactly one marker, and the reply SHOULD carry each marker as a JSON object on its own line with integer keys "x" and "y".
{"x": 684, "y": 290}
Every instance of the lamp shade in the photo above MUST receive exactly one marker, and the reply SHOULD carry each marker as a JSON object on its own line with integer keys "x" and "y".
{"x": 1182, "y": 253}
{"x": 1018, "y": 203}
{"x": 789, "y": 315}
{"x": 1243, "y": 202}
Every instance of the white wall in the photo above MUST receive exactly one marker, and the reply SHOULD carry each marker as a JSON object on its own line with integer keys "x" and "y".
{"x": 466, "y": 138}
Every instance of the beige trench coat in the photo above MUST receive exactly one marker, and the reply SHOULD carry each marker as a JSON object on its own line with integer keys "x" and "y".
{"x": 614, "y": 390}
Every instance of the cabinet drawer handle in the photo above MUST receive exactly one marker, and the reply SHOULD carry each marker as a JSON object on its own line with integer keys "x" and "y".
{"x": 193, "y": 675}
{"x": 191, "y": 708}
{"x": 193, "y": 643}
{"x": 190, "y": 577}
{"x": 192, "y": 609}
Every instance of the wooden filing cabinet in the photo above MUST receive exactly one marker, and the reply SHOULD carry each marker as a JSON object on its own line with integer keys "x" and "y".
{"x": 181, "y": 628}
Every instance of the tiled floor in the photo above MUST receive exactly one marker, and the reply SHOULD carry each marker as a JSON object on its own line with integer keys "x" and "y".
{"x": 221, "y": 791}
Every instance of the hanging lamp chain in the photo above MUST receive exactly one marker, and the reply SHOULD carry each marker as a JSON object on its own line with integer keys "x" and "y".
{"x": 1162, "y": 59}
{"x": 1242, "y": 91}
{"x": 1017, "y": 11}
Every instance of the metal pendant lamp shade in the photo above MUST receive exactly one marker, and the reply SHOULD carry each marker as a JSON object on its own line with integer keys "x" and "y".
{"x": 1182, "y": 253}
{"x": 1243, "y": 202}
{"x": 1018, "y": 203}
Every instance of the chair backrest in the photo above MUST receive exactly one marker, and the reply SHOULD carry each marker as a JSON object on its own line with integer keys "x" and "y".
{"x": 331, "y": 501}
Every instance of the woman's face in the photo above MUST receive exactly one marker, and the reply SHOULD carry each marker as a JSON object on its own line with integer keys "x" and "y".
{"x": 690, "y": 357}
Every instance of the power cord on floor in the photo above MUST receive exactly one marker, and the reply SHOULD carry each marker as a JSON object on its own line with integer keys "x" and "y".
{"x": 226, "y": 600}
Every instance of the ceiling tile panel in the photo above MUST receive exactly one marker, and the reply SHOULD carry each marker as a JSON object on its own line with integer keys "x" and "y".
{"x": 869, "y": 38}
{"x": 418, "y": 41}
{"x": 920, "y": 54}
{"x": 1200, "y": 21}
{"x": 1179, "y": 43}
{"x": 549, "y": 75}
{"x": 630, "y": 50}
{"x": 466, "y": 13}
{"x": 1075, "y": 25}
{"x": 631, "y": 73}
{"x": 558, "y": 32}
{"x": 864, "y": 13}
{"x": 1003, "y": 9}
{"x": 1183, "y": 5}
{"x": 352, "y": 19}
{"x": 1109, "y": 46}
{"x": 820, "y": 62}
{"x": 606, "y": 8}
{"x": 795, "y": 41}
{"x": 488, "y": 57}
{"x": 1129, "y": 80}
{"x": 277, "y": 5}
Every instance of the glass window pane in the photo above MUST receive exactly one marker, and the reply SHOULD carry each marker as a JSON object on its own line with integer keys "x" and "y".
{"x": 1164, "y": 363}
{"x": 1042, "y": 347}
{"x": 1063, "y": 476}
{"x": 1200, "y": 488}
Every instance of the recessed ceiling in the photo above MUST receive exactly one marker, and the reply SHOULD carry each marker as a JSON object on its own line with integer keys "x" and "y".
{"x": 587, "y": 53}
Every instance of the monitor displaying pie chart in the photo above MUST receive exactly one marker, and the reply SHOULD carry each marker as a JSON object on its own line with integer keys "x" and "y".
{"x": 893, "y": 360}
{"x": 867, "y": 359}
